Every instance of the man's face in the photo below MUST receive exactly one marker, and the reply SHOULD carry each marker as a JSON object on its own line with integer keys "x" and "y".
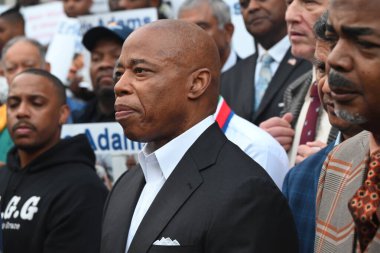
{"x": 6, "y": 32}
{"x": 322, "y": 51}
{"x": 301, "y": 16}
{"x": 103, "y": 60}
{"x": 151, "y": 88}
{"x": 203, "y": 17}
{"x": 136, "y": 4}
{"x": 263, "y": 17}
{"x": 354, "y": 77}
{"x": 74, "y": 8}
{"x": 19, "y": 57}
{"x": 34, "y": 115}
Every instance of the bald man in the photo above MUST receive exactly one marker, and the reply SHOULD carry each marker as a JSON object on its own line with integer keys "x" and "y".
{"x": 193, "y": 190}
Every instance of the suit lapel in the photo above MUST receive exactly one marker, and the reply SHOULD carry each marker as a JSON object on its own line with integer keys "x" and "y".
{"x": 117, "y": 220}
{"x": 184, "y": 180}
{"x": 287, "y": 65}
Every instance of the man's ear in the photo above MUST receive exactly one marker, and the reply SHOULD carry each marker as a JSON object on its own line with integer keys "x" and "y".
{"x": 64, "y": 114}
{"x": 200, "y": 80}
{"x": 229, "y": 30}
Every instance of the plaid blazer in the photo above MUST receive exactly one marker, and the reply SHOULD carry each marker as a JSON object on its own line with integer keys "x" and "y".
{"x": 300, "y": 189}
{"x": 342, "y": 174}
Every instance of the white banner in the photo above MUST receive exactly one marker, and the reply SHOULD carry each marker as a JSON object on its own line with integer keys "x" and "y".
{"x": 131, "y": 18}
{"x": 105, "y": 138}
{"x": 68, "y": 35}
{"x": 41, "y": 20}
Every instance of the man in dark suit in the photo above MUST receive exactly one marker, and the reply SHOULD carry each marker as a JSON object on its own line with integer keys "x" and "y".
{"x": 240, "y": 86}
{"x": 288, "y": 128}
{"x": 194, "y": 190}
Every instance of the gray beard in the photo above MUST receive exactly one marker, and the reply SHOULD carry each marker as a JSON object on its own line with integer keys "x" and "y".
{"x": 356, "y": 118}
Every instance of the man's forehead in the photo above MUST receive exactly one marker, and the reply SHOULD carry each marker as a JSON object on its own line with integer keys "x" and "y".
{"x": 354, "y": 10}
{"x": 28, "y": 82}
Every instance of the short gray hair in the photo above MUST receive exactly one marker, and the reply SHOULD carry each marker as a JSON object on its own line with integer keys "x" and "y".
{"x": 13, "y": 41}
{"x": 219, "y": 8}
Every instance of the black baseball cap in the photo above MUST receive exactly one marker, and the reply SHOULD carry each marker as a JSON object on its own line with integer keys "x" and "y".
{"x": 112, "y": 30}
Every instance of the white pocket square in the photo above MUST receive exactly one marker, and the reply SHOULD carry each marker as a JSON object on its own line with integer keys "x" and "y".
{"x": 166, "y": 242}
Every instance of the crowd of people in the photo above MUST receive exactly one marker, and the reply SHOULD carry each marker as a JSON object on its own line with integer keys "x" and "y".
{"x": 277, "y": 152}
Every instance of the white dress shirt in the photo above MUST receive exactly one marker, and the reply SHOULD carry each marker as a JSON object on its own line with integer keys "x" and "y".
{"x": 323, "y": 127}
{"x": 157, "y": 165}
{"x": 277, "y": 52}
{"x": 259, "y": 145}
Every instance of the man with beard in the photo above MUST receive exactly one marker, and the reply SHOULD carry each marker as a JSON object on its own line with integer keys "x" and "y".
{"x": 51, "y": 197}
{"x": 347, "y": 208}
{"x": 105, "y": 44}
{"x": 300, "y": 185}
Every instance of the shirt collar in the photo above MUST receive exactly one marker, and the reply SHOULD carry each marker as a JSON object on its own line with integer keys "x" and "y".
{"x": 168, "y": 156}
{"x": 277, "y": 52}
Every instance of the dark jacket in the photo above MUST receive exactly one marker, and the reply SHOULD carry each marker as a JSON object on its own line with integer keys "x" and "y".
{"x": 237, "y": 87}
{"x": 217, "y": 199}
{"x": 55, "y": 203}
{"x": 92, "y": 114}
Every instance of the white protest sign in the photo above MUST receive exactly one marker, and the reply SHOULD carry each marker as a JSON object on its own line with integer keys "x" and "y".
{"x": 104, "y": 138}
{"x": 130, "y": 18}
{"x": 4, "y": 8}
{"x": 99, "y": 6}
{"x": 68, "y": 37}
{"x": 41, "y": 20}
{"x": 66, "y": 42}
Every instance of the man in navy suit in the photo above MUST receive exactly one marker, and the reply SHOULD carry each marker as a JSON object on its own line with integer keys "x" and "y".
{"x": 300, "y": 185}
{"x": 193, "y": 191}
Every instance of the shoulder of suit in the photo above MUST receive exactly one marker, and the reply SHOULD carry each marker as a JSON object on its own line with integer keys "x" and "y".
{"x": 358, "y": 143}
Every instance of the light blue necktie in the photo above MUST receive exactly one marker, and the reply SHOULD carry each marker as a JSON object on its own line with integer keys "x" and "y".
{"x": 265, "y": 75}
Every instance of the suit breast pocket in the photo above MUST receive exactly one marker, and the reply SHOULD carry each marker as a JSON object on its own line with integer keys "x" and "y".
{"x": 174, "y": 249}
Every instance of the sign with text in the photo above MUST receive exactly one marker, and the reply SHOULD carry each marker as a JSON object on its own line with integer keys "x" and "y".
{"x": 41, "y": 20}
{"x": 130, "y": 18}
{"x": 105, "y": 138}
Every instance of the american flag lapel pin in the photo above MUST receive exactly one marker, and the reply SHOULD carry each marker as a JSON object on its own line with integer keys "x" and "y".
{"x": 292, "y": 61}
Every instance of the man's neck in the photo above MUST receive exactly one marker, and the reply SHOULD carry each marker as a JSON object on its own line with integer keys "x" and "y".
{"x": 267, "y": 42}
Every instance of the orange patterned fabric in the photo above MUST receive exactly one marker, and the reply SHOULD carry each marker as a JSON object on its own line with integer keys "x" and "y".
{"x": 365, "y": 202}
{"x": 3, "y": 116}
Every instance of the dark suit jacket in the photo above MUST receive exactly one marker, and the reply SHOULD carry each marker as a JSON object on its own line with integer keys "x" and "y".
{"x": 294, "y": 98}
{"x": 216, "y": 200}
{"x": 237, "y": 87}
{"x": 300, "y": 188}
